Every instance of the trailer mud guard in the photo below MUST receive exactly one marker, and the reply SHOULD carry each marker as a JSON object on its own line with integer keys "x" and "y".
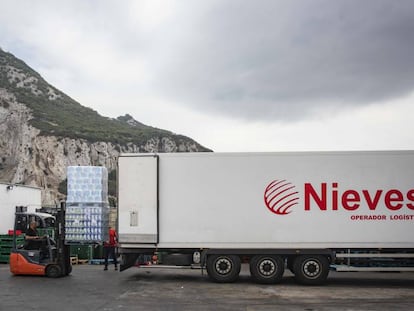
{"x": 128, "y": 261}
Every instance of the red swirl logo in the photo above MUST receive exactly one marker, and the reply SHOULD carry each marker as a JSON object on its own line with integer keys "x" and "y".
{"x": 280, "y": 196}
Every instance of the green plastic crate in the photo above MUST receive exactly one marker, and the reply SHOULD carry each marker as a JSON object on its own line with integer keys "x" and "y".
{"x": 4, "y": 258}
{"x": 5, "y": 250}
{"x": 4, "y": 238}
{"x": 97, "y": 252}
{"x": 9, "y": 244}
{"x": 82, "y": 251}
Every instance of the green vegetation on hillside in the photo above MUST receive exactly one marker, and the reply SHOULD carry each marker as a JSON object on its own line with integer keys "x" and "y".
{"x": 64, "y": 117}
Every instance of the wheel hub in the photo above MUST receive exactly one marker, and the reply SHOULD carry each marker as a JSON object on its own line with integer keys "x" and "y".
{"x": 267, "y": 267}
{"x": 311, "y": 268}
{"x": 223, "y": 266}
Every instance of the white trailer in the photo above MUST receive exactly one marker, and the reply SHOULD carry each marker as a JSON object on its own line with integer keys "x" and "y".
{"x": 308, "y": 211}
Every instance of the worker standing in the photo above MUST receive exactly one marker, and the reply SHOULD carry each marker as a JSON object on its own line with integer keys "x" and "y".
{"x": 109, "y": 248}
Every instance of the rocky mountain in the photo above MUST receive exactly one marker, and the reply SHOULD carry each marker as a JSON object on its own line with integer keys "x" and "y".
{"x": 42, "y": 131}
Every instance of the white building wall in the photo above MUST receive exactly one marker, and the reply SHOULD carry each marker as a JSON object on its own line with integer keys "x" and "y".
{"x": 16, "y": 195}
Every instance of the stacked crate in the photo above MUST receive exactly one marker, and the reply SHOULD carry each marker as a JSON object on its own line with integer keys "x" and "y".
{"x": 6, "y": 245}
{"x": 87, "y": 208}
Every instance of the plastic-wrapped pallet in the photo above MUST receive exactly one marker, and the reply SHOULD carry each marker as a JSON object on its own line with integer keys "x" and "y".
{"x": 87, "y": 184}
{"x": 87, "y": 209}
{"x": 87, "y": 222}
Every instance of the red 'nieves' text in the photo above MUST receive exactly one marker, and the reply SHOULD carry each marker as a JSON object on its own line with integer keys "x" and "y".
{"x": 351, "y": 199}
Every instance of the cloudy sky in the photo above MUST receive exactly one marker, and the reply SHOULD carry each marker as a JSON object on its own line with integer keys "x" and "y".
{"x": 251, "y": 75}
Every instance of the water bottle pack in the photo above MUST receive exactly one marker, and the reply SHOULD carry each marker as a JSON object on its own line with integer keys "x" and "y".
{"x": 87, "y": 209}
{"x": 87, "y": 184}
{"x": 88, "y": 224}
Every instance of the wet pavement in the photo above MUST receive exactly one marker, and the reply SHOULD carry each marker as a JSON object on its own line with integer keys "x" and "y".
{"x": 90, "y": 288}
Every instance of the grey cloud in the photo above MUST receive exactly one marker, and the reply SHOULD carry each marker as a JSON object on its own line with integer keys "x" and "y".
{"x": 284, "y": 59}
{"x": 259, "y": 59}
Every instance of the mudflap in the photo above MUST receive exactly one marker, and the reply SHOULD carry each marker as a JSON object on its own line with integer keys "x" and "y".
{"x": 128, "y": 261}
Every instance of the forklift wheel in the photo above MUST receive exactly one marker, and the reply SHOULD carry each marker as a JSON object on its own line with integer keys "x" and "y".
{"x": 69, "y": 270}
{"x": 53, "y": 271}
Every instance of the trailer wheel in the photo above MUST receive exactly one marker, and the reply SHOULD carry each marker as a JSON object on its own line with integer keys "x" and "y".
{"x": 53, "y": 271}
{"x": 223, "y": 268}
{"x": 267, "y": 269}
{"x": 311, "y": 269}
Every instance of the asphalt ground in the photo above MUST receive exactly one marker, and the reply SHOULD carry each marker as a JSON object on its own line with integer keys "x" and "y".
{"x": 90, "y": 288}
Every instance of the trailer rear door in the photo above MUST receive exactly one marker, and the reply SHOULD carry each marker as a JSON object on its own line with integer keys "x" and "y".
{"x": 138, "y": 199}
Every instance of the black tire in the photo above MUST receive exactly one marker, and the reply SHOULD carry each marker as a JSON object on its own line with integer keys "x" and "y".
{"x": 223, "y": 268}
{"x": 53, "y": 271}
{"x": 311, "y": 269}
{"x": 69, "y": 271}
{"x": 267, "y": 269}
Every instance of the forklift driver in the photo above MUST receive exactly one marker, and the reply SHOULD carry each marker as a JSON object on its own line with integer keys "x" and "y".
{"x": 33, "y": 240}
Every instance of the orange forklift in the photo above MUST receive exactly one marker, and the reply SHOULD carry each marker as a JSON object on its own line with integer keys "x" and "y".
{"x": 52, "y": 257}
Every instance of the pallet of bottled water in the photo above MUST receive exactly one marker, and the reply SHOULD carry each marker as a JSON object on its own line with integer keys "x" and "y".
{"x": 87, "y": 184}
{"x": 86, "y": 222}
{"x": 87, "y": 208}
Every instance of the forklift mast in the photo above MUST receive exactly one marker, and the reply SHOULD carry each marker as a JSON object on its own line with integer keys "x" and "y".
{"x": 63, "y": 250}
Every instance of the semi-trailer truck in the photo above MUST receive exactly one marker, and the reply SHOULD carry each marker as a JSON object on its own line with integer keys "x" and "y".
{"x": 309, "y": 212}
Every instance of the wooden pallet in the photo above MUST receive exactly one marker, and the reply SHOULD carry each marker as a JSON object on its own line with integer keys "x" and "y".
{"x": 82, "y": 261}
{"x": 74, "y": 260}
